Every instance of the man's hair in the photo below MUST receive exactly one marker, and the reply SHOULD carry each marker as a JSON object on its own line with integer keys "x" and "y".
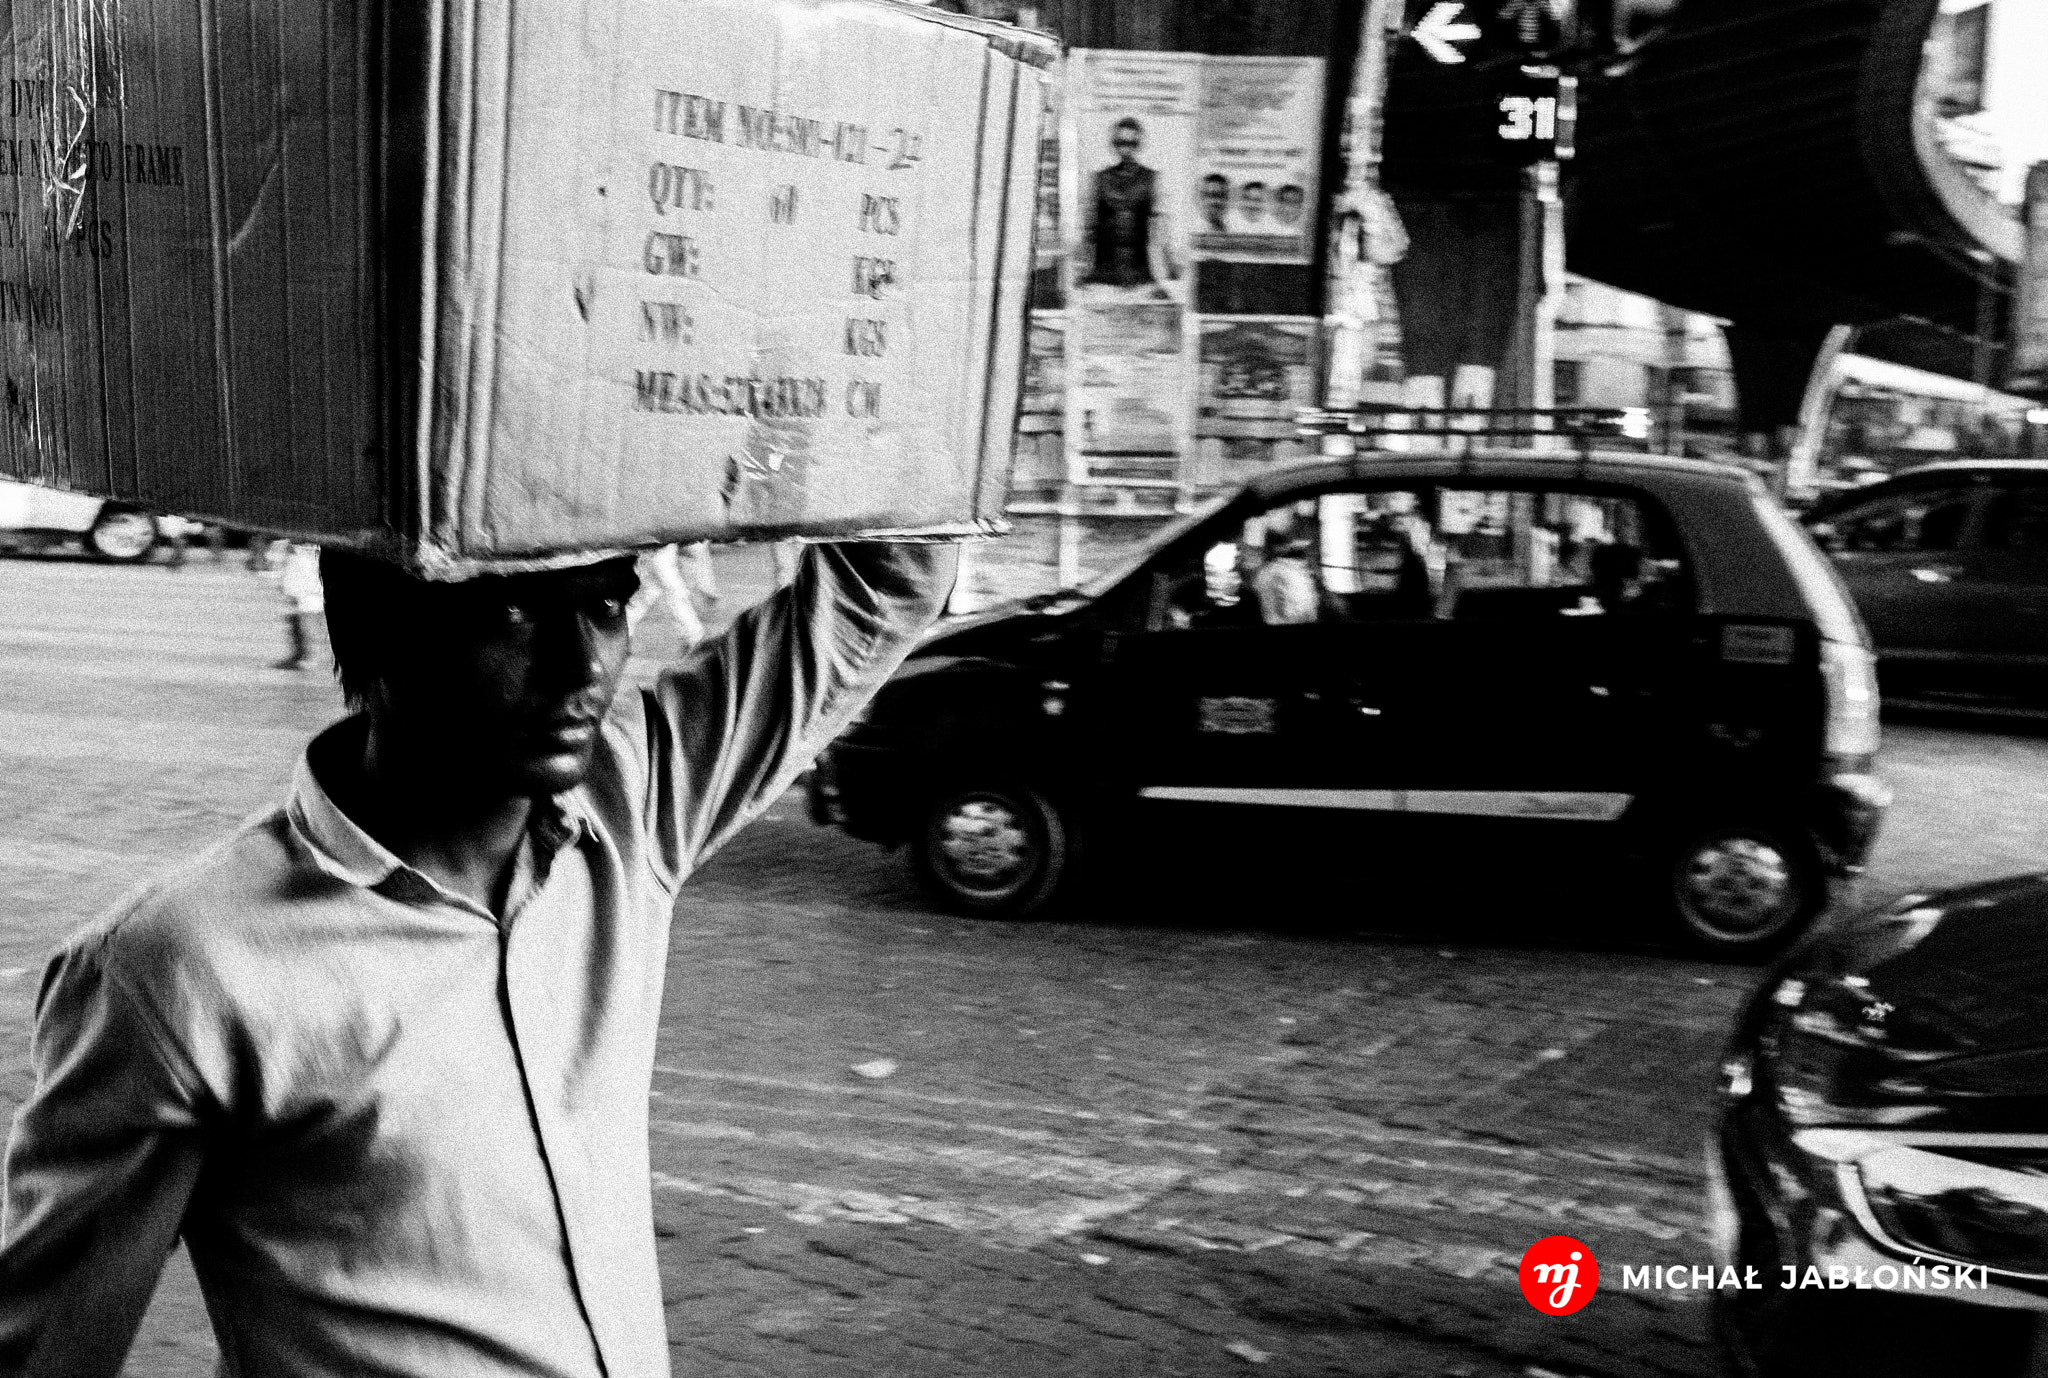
{"x": 367, "y": 605}
{"x": 1218, "y": 178}
{"x": 1127, "y": 122}
{"x": 1294, "y": 189}
{"x": 1252, "y": 186}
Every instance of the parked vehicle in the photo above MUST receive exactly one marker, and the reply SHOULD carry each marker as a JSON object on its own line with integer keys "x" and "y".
{"x": 1949, "y": 565}
{"x": 1635, "y": 653}
{"x": 1885, "y": 1120}
{"x": 35, "y": 515}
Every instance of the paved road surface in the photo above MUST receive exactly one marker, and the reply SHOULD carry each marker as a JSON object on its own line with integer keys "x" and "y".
{"x": 1188, "y": 1137}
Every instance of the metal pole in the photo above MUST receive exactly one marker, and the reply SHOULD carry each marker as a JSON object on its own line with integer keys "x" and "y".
{"x": 1352, "y": 288}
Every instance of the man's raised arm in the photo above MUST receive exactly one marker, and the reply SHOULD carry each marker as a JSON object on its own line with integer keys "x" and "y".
{"x": 732, "y": 725}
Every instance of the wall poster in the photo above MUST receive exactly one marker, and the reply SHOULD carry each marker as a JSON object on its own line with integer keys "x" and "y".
{"x": 1258, "y": 154}
{"x": 1256, "y": 368}
{"x": 1167, "y": 159}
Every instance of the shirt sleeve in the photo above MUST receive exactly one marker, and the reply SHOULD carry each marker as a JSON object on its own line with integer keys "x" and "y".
{"x": 99, "y": 1168}
{"x": 734, "y": 724}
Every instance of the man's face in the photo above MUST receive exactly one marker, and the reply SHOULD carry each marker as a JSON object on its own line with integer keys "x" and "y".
{"x": 1215, "y": 199}
{"x": 1287, "y": 205}
{"x": 1126, "y": 140}
{"x": 507, "y": 678}
{"x": 1251, "y": 201}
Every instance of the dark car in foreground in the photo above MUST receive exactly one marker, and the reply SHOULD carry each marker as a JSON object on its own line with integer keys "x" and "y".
{"x": 1949, "y": 565}
{"x": 1885, "y": 1123}
{"x": 1618, "y": 655}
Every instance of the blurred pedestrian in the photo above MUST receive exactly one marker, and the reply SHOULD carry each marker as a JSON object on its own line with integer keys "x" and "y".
{"x": 662, "y": 582}
{"x": 298, "y": 579}
{"x": 1286, "y": 584}
{"x": 786, "y": 554}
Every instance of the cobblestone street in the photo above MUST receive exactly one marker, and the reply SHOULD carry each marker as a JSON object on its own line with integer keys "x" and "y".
{"x": 1185, "y": 1137}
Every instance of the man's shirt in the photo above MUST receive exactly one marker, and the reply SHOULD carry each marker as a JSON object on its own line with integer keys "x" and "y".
{"x": 1286, "y": 589}
{"x": 401, "y": 1136}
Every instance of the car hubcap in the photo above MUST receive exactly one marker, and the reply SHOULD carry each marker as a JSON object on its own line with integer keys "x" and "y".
{"x": 124, "y": 535}
{"x": 985, "y": 845}
{"x": 1738, "y": 883}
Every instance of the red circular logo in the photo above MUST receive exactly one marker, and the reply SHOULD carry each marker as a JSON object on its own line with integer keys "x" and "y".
{"x": 1559, "y": 1275}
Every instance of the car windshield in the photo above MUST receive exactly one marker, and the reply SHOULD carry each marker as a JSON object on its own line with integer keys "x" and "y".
{"x": 1144, "y": 551}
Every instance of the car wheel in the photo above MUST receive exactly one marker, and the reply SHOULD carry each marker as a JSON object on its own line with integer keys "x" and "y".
{"x": 1738, "y": 890}
{"x": 1003, "y": 852}
{"x": 122, "y": 534}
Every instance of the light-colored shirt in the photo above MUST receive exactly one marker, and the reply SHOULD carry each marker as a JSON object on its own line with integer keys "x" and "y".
{"x": 400, "y": 1136}
{"x": 1286, "y": 590}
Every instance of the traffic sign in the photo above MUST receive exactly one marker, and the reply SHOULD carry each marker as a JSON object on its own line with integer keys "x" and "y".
{"x": 1442, "y": 29}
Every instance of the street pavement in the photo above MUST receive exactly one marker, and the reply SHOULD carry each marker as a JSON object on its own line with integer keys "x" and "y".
{"x": 1290, "y": 1130}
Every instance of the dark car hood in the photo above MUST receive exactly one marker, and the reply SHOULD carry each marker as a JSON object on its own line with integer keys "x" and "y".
{"x": 1931, "y": 1011}
{"x": 997, "y": 629}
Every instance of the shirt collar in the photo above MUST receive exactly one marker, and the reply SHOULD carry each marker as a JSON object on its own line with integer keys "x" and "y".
{"x": 341, "y": 848}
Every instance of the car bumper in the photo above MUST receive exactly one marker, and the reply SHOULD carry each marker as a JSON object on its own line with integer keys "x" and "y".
{"x": 1773, "y": 1206}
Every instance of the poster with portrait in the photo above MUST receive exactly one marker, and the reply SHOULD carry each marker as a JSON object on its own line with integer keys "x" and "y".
{"x": 1256, "y": 368}
{"x": 1129, "y": 152}
{"x": 1258, "y": 153}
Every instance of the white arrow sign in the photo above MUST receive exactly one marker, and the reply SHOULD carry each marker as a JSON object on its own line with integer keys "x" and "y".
{"x": 1441, "y": 30}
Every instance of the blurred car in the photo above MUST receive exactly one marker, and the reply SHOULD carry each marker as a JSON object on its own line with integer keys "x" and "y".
{"x": 1948, "y": 564}
{"x": 1885, "y": 1114}
{"x": 32, "y": 514}
{"x": 1616, "y": 652}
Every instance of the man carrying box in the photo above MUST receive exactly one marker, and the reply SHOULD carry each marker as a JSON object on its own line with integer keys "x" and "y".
{"x": 383, "y": 1057}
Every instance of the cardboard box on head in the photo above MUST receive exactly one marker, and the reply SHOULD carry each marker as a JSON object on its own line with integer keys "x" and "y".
{"x": 484, "y": 285}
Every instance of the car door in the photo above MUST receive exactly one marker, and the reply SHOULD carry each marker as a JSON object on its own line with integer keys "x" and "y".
{"x": 1530, "y": 689}
{"x": 1217, "y": 700}
{"x": 1905, "y": 555}
{"x": 2005, "y": 577}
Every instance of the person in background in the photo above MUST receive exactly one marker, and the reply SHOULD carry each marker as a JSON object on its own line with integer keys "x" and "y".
{"x": 298, "y": 580}
{"x": 1215, "y": 202}
{"x": 662, "y": 581}
{"x": 1286, "y": 584}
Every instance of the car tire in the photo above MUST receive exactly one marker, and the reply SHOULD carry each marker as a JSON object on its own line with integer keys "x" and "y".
{"x": 122, "y": 535}
{"x": 1737, "y": 890}
{"x": 1001, "y": 851}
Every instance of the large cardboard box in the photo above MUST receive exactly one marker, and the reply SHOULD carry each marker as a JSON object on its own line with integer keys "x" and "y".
{"x": 481, "y": 282}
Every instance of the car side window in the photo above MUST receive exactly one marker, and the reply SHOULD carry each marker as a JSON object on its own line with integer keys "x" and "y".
{"x": 1921, "y": 519}
{"x": 1540, "y": 553}
{"x": 1300, "y": 562}
{"x": 2018, "y": 520}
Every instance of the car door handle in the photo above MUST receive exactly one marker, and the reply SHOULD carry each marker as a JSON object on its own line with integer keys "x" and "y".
{"x": 1935, "y": 574}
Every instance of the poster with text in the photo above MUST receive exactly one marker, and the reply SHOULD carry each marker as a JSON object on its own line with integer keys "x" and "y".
{"x": 1258, "y": 151}
{"x": 1130, "y": 393}
{"x": 1045, "y": 366}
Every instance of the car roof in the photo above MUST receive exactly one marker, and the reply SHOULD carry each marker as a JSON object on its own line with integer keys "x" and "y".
{"x": 1984, "y": 466}
{"x": 1648, "y": 471}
